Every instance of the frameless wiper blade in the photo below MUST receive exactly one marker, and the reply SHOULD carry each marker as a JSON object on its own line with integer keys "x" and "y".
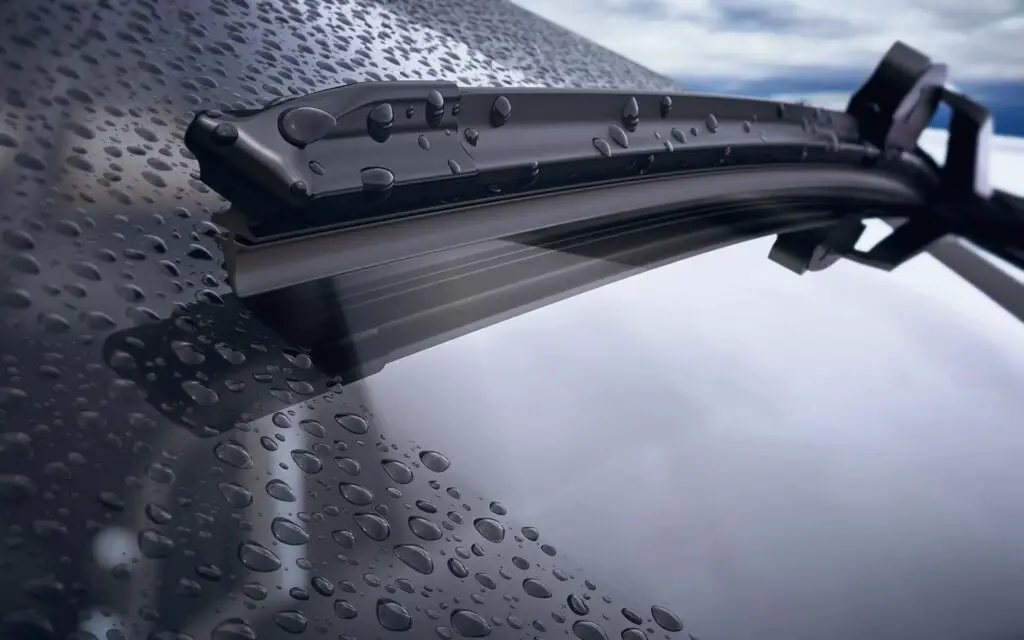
{"x": 367, "y": 152}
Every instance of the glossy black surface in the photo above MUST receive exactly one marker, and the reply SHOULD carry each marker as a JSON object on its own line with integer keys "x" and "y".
{"x": 765, "y": 455}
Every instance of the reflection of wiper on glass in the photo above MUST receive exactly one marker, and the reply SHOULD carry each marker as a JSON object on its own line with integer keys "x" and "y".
{"x": 396, "y": 215}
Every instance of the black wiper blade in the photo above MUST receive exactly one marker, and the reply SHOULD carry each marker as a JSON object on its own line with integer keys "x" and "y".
{"x": 369, "y": 152}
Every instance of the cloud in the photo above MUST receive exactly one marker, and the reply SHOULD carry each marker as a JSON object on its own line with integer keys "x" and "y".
{"x": 752, "y": 38}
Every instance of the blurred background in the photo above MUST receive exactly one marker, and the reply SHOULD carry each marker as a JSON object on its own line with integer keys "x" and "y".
{"x": 809, "y": 49}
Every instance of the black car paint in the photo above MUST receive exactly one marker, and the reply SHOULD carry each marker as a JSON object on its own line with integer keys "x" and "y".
{"x": 815, "y": 457}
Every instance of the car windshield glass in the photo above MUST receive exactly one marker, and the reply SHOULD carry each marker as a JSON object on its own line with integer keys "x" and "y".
{"x": 715, "y": 447}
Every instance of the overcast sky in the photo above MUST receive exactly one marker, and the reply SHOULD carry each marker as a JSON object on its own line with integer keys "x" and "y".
{"x": 746, "y": 40}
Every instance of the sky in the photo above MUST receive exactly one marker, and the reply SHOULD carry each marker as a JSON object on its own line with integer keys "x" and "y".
{"x": 809, "y": 49}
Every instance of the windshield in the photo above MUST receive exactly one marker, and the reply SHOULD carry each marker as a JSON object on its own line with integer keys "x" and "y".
{"x": 715, "y": 447}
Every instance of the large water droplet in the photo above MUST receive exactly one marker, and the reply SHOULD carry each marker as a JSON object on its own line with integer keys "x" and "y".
{"x": 416, "y": 557}
{"x": 577, "y": 605}
{"x": 200, "y": 393}
{"x": 490, "y": 529}
{"x": 393, "y": 616}
{"x": 632, "y": 616}
{"x": 469, "y": 624}
{"x": 424, "y": 528}
{"x": 345, "y": 538}
{"x": 501, "y": 111}
{"x": 356, "y": 494}
{"x": 587, "y": 630}
{"x": 291, "y": 621}
{"x": 154, "y": 544}
{"x": 233, "y": 453}
{"x": 666, "y": 106}
{"x": 619, "y": 136}
{"x": 398, "y": 471}
{"x": 530, "y": 533}
{"x": 233, "y": 629}
{"x": 187, "y": 352}
{"x": 472, "y": 136}
{"x": 235, "y": 494}
{"x": 536, "y": 588}
{"x": 350, "y": 466}
{"x": 352, "y": 423}
{"x": 498, "y": 509}
{"x": 258, "y": 558}
{"x": 631, "y": 114}
{"x": 288, "y": 532}
{"x": 374, "y": 526}
{"x": 434, "y": 461}
{"x": 379, "y": 121}
{"x": 712, "y": 123}
{"x": 280, "y": 490}
{"x": 678, "y": 134}
{"x": 458, "y": 569}
{"x": 666, "y": 619}
{"x": 633, "y": 634}
{"x": 435, "y": 108}
{"x": 307, "y": 461}
{"x": 602, "y": 145}
{"x": 377, "y": 180}
{"x": 344, "y": 609}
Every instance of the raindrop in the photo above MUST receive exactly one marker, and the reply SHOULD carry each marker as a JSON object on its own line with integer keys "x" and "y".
{"x": 486, "y": 581}
{"x": 501, "y": 111}
{"x": 632, "y": 616}
{"x": 233, "y": 629}
{"x": 587, "y": 630}
{"x": 631, "y": 114}
{"x": 199, "y": 393}
{"x": 307, "y": 461}
{"x": 235, "y": 494}
{"x": 619, "y": 136}
{"x": 154, "y": 544}
{"x": 291, "y": 621}
{"x": 379, "y": 122}
{"x": 352, "y": 423}
{"x": 498, "y": 509}
{"x": 666, "y": 619}
{"x": 490, "y": 529}
{"x": 398, "y": 471}
{"x": 472, "y": 136}
{"x": 356, "y": 494}
{"x": 520, "y": 563}
{"x": 344, "y": 609}
{"x": 424, "y": 528}
{"x": 530, "y": 533}
{"x": 281, "y": 420}
{"x": 602, "y": 145}
{"x": 469, "y": 624}
{"x": 233, "y": 453}
{"x": 678, "y": 135}
{"x": 254, "y": 591}
{"x": 666, "y": 106}
{"x": 712, "y": 123}
{"x": 577, "y": 605}
{"x": 345, "y": 538}
{"x": 280, "y": 490}
{"x": 187, "y": 352}
{"x": 633, "y": 634}
{"x": 424, "y": 142}
{"x": 435, "y": 108}
{"x": 434, "y": 461}
{"x": 454, "y": 166}
{"x": 350, "y": 466}
{"x": 288, "y": 532}
{"x": 158, "y": 514}
{"x": 258, "y": 558}
{"x": 374, "y": 526}
{"x": 416, "y": 557}
{"x": 548, "y": 549}
{"x": 536, "y": 588}
{"x": 377, "y": 180}
{"x": 393, "y": 616}
{"x": 425, "y": 506}
{"x": 458, "y": 569}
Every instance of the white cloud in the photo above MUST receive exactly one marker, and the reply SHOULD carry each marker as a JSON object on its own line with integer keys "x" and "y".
{"x": 693, "y": 37}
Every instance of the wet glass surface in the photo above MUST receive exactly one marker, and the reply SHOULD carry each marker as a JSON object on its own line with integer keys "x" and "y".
{"x": 715, "y": 448}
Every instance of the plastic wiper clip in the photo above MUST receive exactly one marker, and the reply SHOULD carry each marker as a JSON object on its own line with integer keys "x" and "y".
{"x": 892, "y": 109}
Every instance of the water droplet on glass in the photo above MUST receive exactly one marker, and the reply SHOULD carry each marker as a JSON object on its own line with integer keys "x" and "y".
{"x": 352, "y": 423}
{"x": 618, "y": 136}
{"x": 434, "y": 461}
{"x": 374, "y": 526}
{"x": 307, "y": 461}
{"x": 530, "y": 533}
{"x": 711, "y": 122}
{"x": 666, "y": 619}
{"x": 322, "y": 585}
{"x": 154, "y": 544}
{"x": 235, "y": 494}
{"x": 498, "y": 509}
{"x": 288, "y": 532}
{"x": 379, "y": 121}
{"x": 258, "y": 558}
{"x": 200, "y": 394}
{"x": 393, "y": 616}
{"x": 377, "y": 180}
{"x": 577, "y": 605}
{"x": 416, "y": 557}
{"x": 424, "y": 142}
{"x": 398, "y": 471}
{"x": 631, "y": 114}
{"x": 472, "y": 136}
{"x": 157, "y": 514}
{"x": 280, "y": 490}
{"x": 345, "y": 538}
{"x": 424, "y": 528}
{"x": 520, "y": 563}
{"x": 666, "y": 106}
{"x": 344, "y": 609}
{"x": 548, "y": 549}
{"x": 632, "y": 616}
{"x": 469, "y": 624}
{"x": 458, "y": 569}
{"x": 254, "y": 591}
{"x": 187, "y": 352}
{"x": 233, "y": 629}
{"x": 291, "y": 621}
{"x": 454, "y": 166}
{"x": 356, "y": 494}
{"x": 587, "y": 630}
{"x": 633, "y": 634}
{"x": 536, "y": 588}
{"x": 501, "y": 111}
{"x": 490, "y": 529}
{"x": 602, "y": 145}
